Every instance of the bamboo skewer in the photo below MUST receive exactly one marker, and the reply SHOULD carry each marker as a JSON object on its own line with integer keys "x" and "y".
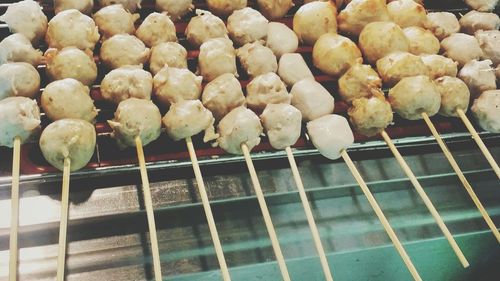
{"x": 265, "y": 212}
{"x": 426, "y": 200}
{"x": 378, "y": 211}
{"x": 479, "y": 142}
{"x": 63, "y": 227}
{"x": 148, "y": 202}
{"x": 208, "y": 211}
{"x": 461, "y": 176}
{"x": 309, "y": 215}
{"x": 14, "y": 214}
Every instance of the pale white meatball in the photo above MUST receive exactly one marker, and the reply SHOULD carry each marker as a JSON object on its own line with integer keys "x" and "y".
{"x": 406, "y": 13}
{"x": 222, "y": 95}
{"x": 19, "y": 79}
{"x": 359, "y": 13}
{"x": 171, "y": 54}
{"x": 68, "y": 98}
{"x": 136, "y": 118}
{"x": 312, "y": 99}
{"x": 203, "y": 27}
{"x": 474, "y": 21}
{"x": 331, "y": 135}
{"x": 172, "y": 85}
{"x": 486, "y": 111}
{"x": 72, "y": 28}
{"x": 266, "y": 89}
{"x": 371, "y": 115}
{"x": 394, "y": 67}
{"x": 358, "y": 82}
{"x": 257, "y": 59}
{"x": 314, "y": 19}
{"x": 440, "y": 66}
{"x": 281, "y": 39}
{"x": 246, "y": 26}
{"x": 292, "y": 68}
{"x": 282, "y": 124}
{"x": 274, "y": 9}
{"x": 462, "y": 48}
{"x": 238, "y": 127}
{"x": 26, "y": 17}
{"x": 224, "y": 8}
{"x": 20, "y": 118}
{"x": 188, "y": 118}
{"x": 454, "y": 95}
{"x": 114, "y": 55}
{"x": 84, "y": 6}
{"x": 378, "y": 39}
{"x": 17, "y": 48}
{"x": 490, "y": 44}
{"x": 127, "y": 82}
{"x": 413, "y": 96}
{"x": 155, "y": 29}
{"x": 422, "y": 41}
{"x": 482, "y": 5}
{"x": 71, "y": 62}
{"x": 334, "y": 54}
{"x": 114, "y": 19}
{"x": 68, "y": 138}
{"x": 479, "y": 76}
{"x": 176, "y": 9}
{"x": 130, "y": 5}
{"x": 442, "y": 24}
{"x": 217, "y": 56}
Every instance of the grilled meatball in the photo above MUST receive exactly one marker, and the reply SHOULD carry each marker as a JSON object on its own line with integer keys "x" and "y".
{"x": 222, "y": 95}
{"x": 84, "y": 6}
{"x": 188, "y": 118}
{"x": 72, "y": 28}
{"x": 68, "y": 98}
{"x": 422, "y": 41}
{"x": 454, "y": 95}
{"x": 171, "y": 54}
{"x": 281, "y": 39}
{"x": 156, "y": 29}
{"x": 292, "y": 68}
{"x": 378, "y": 39}
{"x": 313, "y": 20}
{"x": 71, "y": 62}
{"x": 217, "y": 56}
{"x": 442, "y": 24}
{"x": 413, "y": 96}
{"x": 114, "y": 19}
{"x": 486, "y": 111}
{"x": 17, "y": 48}
{"x": 26, "y": 17}
{"x": 335, "y": 54}
{"x": 312, "y": 99}
{"x": 176, "y": 9}
{"x": 440, "y": 66}
{"x": 257, "y": 59}
{"x": 113, "y": 55}
{"x": 20, "y": 118}
{"x": 172, "y": 85}
{"x": 203, "y": 27}
{"x": 224, "y": 8}
{"x": 331, "y": 135}
{"x": 482, "y": 5}
{"x": 474, "y": 21}
{"x": 479, "y": 76}
{"x": 238, "y": 127}
{"x": 490, "y": 44}
{"x": 359, "y": 13}
{"x": 266, "y": 89}
{"x": 130, "y": 5}
{"x": 282, "y": 124}
{"x": 68, "y": 138}
{"x": 394, "y": 67}
{"x": 136, "y": 118}
{"x": 406, "y": 13}
{"x": 18, "y": 79}
{"x": 462, "y": 48}
{"x": 370, "y": 116}
{"x": 358, "y": 82}
{"x": 246, "y": 26}
{"x": 127, "y": 82}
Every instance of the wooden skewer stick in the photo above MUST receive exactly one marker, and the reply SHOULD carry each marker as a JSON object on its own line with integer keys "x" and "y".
{"x": 148, "y": 202}
{"x": 461, "y": 176}
{"x": 265, "y": 212}
{"x": 426, "y": 200}
{"x": 14, "y": 213}
{"x": 63, "y": 226}
{"x": 378, "y": 211}
{"x": 479, "y": 142}
{"x": 208, "y": 211}
{"x": 309, "y": 215}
